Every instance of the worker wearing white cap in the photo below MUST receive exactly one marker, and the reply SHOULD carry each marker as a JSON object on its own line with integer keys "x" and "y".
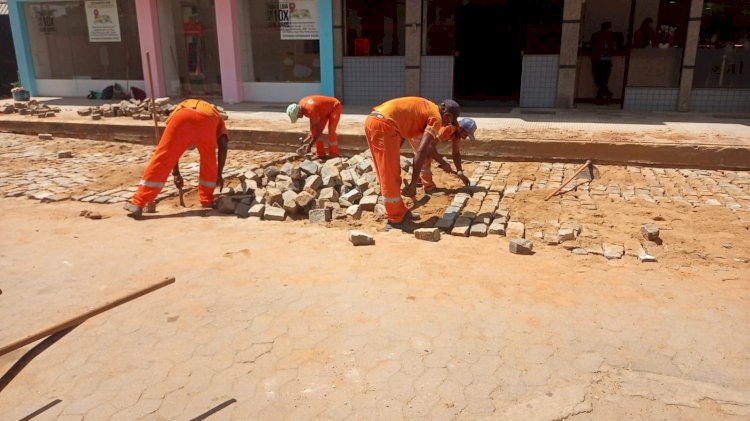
{"x": 465, "y": 129}
{"x": 322, "y": 111}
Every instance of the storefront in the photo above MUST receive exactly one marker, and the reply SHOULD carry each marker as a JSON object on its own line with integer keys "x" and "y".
{"x": 663, "y": 55}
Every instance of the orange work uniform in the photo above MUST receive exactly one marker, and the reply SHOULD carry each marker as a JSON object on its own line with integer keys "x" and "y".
{"x": 322, "y": 110}
{"x": 193, "y": 122}
{"x": 425, "y": 175}
{"x": 390, "y": 122}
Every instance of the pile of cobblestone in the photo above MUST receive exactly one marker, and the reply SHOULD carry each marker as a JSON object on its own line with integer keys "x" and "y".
{"x": 137, "y": 109}
{"x": 336, "y": 189}
{"x": 32, "y": 107}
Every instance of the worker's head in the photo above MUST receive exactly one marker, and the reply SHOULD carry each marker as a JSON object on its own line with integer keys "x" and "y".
{"x": 294, "y": 112}
{"x": 450, "y": 110}
{"x": 466, "y": 128}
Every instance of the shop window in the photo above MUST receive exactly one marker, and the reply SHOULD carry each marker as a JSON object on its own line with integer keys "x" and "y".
{"x": 723, "y": 56}
{"x": 72, "y": 40}
{"x": 273, "y": 52}
{"x": 438, "y": 27}
{"x": 374, "y": 27}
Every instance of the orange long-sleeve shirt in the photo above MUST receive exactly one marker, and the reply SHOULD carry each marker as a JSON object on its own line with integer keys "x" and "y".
{"x": 412, "y": 116}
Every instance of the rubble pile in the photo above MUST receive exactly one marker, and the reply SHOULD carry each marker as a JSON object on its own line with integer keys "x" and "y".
{"x": 321, "y": 191}
{"x": 137, "y": 109}
{"x": 32, "y": 107}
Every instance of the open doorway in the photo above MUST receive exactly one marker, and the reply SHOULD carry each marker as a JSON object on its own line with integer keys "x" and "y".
{"x": 488, "y": 31}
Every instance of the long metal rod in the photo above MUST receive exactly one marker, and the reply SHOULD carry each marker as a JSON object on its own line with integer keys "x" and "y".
{"x": 565, "y": 183}
{"x": 74, "y": 321}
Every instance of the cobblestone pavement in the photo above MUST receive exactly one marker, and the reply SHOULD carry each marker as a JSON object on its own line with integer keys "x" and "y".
{"x": 284, "y": 321}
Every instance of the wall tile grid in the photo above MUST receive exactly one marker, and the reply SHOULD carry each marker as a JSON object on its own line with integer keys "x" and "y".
{"x": 720, "y": 100}
{"x": 539, "y": 81}
{"x": 373, "y": 80}
{"x": 651, "y": 99}
{"x": 436, "y": 82}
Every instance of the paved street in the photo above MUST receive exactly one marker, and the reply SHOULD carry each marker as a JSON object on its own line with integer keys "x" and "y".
{"x": 286, "y": 320}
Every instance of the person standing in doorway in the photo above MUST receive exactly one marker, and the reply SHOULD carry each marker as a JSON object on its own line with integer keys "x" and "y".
{"x": 603, "y": 45}
{"x": 645, "y": 36}
{"x": 322, "y": 111}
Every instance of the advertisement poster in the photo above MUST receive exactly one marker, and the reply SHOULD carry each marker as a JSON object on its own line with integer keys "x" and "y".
{"x": 298, "y": 19}
{"x": 103, "y": 21}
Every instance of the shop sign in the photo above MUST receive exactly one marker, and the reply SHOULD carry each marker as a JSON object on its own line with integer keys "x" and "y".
{"x": 298, "y": 19}
{"x": 103, "y": 21}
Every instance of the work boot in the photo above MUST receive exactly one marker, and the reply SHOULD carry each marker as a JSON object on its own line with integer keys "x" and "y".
{"x": 404, "y": 225}
{"x": 134, "y": 211}
{"x": 412, "y": 215}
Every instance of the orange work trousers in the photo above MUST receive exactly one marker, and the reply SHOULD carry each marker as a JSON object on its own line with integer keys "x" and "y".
{"x": 186, "y": 127}
{"x": 425, "y": 175}
{"x": 333, "y": 145}
{"x": 385, "y": 142}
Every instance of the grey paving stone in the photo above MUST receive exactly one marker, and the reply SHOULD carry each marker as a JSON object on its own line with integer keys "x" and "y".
{"x": 521, "y": 246}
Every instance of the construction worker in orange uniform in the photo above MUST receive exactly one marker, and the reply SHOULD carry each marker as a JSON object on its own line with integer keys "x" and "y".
{"x": 193, "y": 122}
{"x": 386, "y": 126}
{"x": 321, "y": 110}
{"x": 465, "y": 129}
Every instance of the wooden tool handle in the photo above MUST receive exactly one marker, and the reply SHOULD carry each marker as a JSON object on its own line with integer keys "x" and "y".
{"x": 565, "y": 183}
{"x": 74, "y": 321}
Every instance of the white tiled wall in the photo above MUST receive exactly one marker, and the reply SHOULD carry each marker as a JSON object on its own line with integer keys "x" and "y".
{"x": 651, "y": 99}
{"x": 720, "y": 100}
{"x": 436, "y": 81}
{"x": 539, "y": 81}
{"x": 373, "y": 80}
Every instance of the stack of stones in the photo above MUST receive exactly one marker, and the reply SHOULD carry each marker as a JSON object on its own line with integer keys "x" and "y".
{"x": 32, "y": 107}
{"x": 336, "y": 189}
{"x": 138, "y": 110}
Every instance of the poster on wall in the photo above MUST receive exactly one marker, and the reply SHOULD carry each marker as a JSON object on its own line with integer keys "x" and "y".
{"x": 298, "y": 19}
{"x": 103, "y": 21}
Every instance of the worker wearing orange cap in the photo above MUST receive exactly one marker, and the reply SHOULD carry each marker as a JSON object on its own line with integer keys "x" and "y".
{"x": 322, "y": 111}
{"x": 393, "y": 121}
{"x": 193, "y": 122}
{"x": 465, "y": 129}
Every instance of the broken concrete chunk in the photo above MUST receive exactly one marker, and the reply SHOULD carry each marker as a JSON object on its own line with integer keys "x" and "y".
{"x": 305, "y": 199}
{"x": 355, "y": 211}
{"x": 427, "y": 234}
{"x": 566, "y": 234}
{"x": 613, "y": 251}
{"x": 320, "y": 216}
{"x": 644, "y": 257}
{"x": 65, "y": 154}
{"x": 361, "y": 238}
{"x": 579, "y": 251}
{"x": 650, "y": 232}
{"x": 45, "y": 136}
{"x": 521, "y": 246}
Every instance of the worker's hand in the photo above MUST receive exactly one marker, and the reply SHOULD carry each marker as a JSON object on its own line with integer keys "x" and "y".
{"x": 463, "y": 178}
{"x": 178, "y": 181}
{"x": 410, "y": 191}
{"x": 445, "y": 167}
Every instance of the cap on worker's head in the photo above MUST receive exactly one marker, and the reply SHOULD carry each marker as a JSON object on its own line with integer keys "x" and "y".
{"x": 469, "y": 126}
{"x": 293, "y": 112}
{"x": 451, "y": 106}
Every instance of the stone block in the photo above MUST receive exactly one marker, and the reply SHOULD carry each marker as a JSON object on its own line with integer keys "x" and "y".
{"x": 352, "y": 196}
{"x": 427, "y": 234}
{"x": 364, "y": 166}
{"x": 644, "y": 257}
{"x": 291, "y": 207}
{"x": 578, "y": 251}
{"x": 650, "y": 232}
{"x": 242, "y": 210}
{"x": 361, "y": 238}
{"x": 566, "y": 234}
{"x": 314, "y": 182}
{"x": 65, "y": 154}
{"x": 515, "y": 229}
{"x": 274, "y": 196}
{"x": 320, "y": 216}
{"x": 521, "y": 246}
{"x": 462, "y": 227}
{"x": 309, "y": 167}
{"x": 96, "y": 116}
{"x": 368, "y": 203}
{"x": 355, "y": 211}
{"x": 478, "y": 229}
{"x": 613, "y": 251}
{"x": 305, "y": 200}
{"x": 551, "y": 239}
{"x": 273, "y": 213}
{"x": 332, "y": 181}
{"x": 226, "y": 205}
{"x": 257, "y": 210}
{"x": 45, "y": 136}
{"x": 329, "y": 171}
{"x": 379, "y": 210}
{"x": 328, "y": 194}
{"x": 497, "y": 227}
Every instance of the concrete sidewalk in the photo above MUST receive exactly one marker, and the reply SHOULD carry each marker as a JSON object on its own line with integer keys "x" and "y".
{"x": 605, "y": 134}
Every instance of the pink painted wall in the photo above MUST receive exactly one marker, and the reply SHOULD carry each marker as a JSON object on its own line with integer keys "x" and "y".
{"x": 228, "y": 35}
{"x": 148, "y": 34}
